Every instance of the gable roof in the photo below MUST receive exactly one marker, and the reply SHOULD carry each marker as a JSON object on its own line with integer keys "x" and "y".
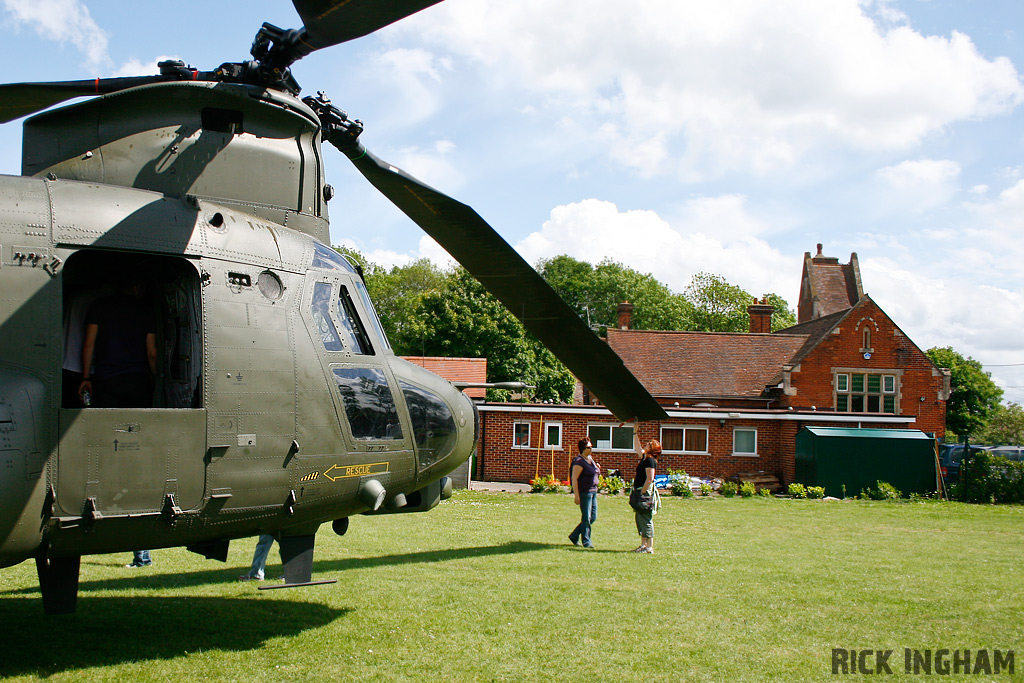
{"x": 705, "y": 364}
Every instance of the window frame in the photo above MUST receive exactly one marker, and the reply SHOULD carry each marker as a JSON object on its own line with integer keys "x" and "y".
{"x": 745, "y": 454}
{"x": 529, "y": 434}
{"x": 853, "y": 387}
{"x": 611, "y": 437}
{"x": 546, "y": 444}
{"x": 684, "y": 428}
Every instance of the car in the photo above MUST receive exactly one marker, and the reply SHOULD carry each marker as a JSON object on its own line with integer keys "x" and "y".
{"x": 950, "y": 456}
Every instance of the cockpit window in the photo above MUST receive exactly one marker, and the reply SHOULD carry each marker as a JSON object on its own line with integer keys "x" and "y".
{"x": 327, "y": 258}
{"x": 364, "y": 295}
{"x": 369, "y": 405}
{"x": 321, "y": 310}
{"x": 353, "y": 325}
{"x": 433, "y": 425}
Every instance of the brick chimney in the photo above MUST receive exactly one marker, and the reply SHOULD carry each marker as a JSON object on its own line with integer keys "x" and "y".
{"x": 761, "y": 315}
{"x": 625, "y": 310}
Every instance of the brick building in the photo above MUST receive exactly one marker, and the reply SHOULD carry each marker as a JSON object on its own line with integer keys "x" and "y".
{"x": 736, "y": 401}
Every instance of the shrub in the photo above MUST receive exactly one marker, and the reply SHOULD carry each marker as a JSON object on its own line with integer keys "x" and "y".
{"x": 816, "y": 492}
{"x": 747, "y": 489}
{"x": 764, "y": 492}
{"x": 679, "y": 483}
{"x": 610, "y": 485}
{"x": 545, "y": 483}
{"x": 706, "y": 488}
{"x": 885, "y": 491}
{"x": 728, "y": 489}
{"x": 985, "y": 478}
{"x": 797, "y": 490}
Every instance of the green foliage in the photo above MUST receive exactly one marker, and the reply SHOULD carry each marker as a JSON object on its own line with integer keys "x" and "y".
{"x": 748, "y": 489}
{"x": 816, "y": 492}
{"x": 595, "y": 293}
{"x": 397, "y": 294}
{"x": 783, "y": 316}
{"x": 764, "y": 492}
{"x": 985, "y": 478}
{"x": 974, "y": 397}
{"x": 717, "y": 305}
{"x": 1005, "y": 426}
{"x": 884, "y": 491}
{"x": 679, "y": 483}
{"x": 797, "y": 490}
{"x": 706, "y": 488}
{"x": 610, "y": 485}
{"x": 728, "y": 489}
{"x": 546, "y": 484}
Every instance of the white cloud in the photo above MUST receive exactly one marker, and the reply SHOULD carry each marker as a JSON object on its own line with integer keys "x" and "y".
{"x": 64, "y": 21}
{"x": 137, "y": 67}
{"x": 715, "y": 234}
{"x": 920, "y": 185}
{"x": 700, "y": 89}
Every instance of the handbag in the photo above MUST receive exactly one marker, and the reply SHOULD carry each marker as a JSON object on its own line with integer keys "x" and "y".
{"x": 640, "y": 501}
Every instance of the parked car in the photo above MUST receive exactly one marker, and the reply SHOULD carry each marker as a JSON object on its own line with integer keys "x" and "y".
{"x": 1015, "y": 453}
{"x": 950, "y": 455}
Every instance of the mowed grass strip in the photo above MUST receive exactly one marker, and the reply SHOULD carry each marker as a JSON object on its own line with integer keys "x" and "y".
{"x": 486, "y": 587}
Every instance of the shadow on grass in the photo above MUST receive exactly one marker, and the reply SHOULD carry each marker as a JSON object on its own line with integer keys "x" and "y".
{"x": 110, "y": 631}
{"x": 147, "y": 578}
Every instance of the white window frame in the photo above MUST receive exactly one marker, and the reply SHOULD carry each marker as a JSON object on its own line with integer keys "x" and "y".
{"x": 611, "y": 434}
{"x": 842, "y": 382}
{"x": 744, "y": 454}
{"x": 557, "y": 446}
{"x": 529, "y": 434}
{"x": 684, "y": 428}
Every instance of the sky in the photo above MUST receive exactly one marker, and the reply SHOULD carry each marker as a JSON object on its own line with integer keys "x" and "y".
{"x": 672, "y": 136}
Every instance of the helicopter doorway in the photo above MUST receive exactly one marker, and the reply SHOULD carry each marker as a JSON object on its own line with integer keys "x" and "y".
{"x": 145, "y": 453}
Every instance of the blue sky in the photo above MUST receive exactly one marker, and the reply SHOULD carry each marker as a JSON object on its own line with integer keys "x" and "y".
{"x": 671, "y": 135}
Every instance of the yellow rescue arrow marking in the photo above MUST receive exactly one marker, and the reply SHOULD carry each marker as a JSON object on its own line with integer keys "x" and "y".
{"x": 336, "y": 472}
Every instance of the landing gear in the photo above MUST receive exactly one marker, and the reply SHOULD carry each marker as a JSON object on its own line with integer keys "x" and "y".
{"x": 58, "y": 582}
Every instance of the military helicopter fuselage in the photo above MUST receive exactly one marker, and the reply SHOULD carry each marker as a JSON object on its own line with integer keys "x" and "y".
{"x": 278, "y": 403}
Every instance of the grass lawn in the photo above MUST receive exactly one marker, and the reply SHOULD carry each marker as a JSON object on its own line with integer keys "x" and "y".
{"x": 487, "y": 588}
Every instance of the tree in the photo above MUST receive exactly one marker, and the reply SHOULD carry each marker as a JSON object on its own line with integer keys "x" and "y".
{"x": 396, "y": 294}
{"x": 1005, "y": 427}
{"x": 717, "y": 305}
{"x": 973, "y": 398}
{"x": 461, "y": 319}
{"x": 783, "y": 316}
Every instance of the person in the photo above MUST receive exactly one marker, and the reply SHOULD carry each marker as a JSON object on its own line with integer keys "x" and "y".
{"x": 76, "y": 307}
{"x": 583, "y": 474}
{"x": 119, "y": 358}
{"x": 140, "y": 558}
{"x": 644, "y": 482}
{"x": 259, "y": 559}
{"x": 119, "y": 350}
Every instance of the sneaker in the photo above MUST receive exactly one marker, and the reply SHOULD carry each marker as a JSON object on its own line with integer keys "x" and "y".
{"x": 574, "y": 541}
{"x": 246, "y": 577}
{"x": 137, "y": 564}
{"x": 641, "y": 549}
{"x": 649, "y": 551}
{"x": 588, "y": 545}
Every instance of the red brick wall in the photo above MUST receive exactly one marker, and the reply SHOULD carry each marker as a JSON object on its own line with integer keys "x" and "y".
{"x": 891, "y": 349}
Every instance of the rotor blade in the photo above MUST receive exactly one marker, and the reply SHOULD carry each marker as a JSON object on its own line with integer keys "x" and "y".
{"x": 22, "y": 99}
{"x": 490, "y": 259}
{"x": 329, "y": 22}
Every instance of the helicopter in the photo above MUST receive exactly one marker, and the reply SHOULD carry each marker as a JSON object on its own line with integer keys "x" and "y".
{"x": 277, "y": 403}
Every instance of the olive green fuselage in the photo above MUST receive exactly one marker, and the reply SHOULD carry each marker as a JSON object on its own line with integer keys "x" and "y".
{"x": 277, "y": 401}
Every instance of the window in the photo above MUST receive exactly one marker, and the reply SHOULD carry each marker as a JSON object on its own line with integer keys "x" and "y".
{"x": 373, "y": 312}
{"x": 685, "y": 439}
{"x": 610, "y": 437}
{"x": 553, "y": 435}
{"x": 369, "y": 405}
{"x": 744, "y": 441}
{"x": 521, "y": 435}
{"x": 321, "y": 310}
{"x": 433, "y": 426}
{"x": 866, "y": 393}
{"x": 353, "y": 325}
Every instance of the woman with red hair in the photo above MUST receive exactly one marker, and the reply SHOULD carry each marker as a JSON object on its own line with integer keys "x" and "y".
{"x": 644, "y": 482}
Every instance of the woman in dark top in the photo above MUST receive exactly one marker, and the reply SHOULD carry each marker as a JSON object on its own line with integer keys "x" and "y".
{"x": 644, "y": 482}
{"x": 583, "y": 474}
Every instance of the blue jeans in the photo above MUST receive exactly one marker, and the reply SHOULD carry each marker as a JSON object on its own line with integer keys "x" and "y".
{"x": 588, "y": 515}
{"x": 141, "y": 558}
{"x": 259, "y": 557}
